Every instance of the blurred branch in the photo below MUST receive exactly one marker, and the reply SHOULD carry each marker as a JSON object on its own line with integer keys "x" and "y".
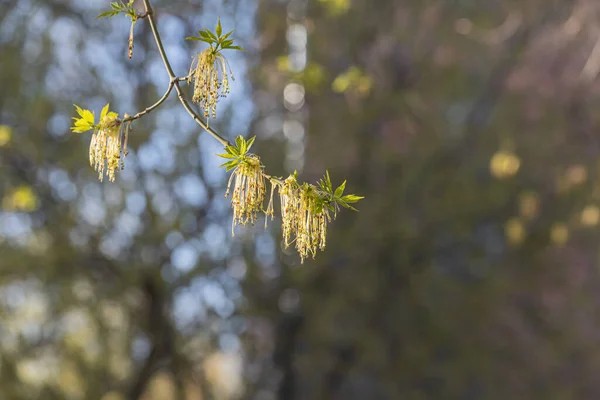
{"x": 288, "y": 331}
{"x": 344, "y": 358}
{"x": 144, "y": 375}
{"x": 157, "y": 331}
{"x": 592, "y": 66}
{"x": 485, "y": 103}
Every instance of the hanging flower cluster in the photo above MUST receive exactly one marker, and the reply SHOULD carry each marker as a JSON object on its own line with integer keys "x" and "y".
{"x": 248, "y": 183}
{"x": 109, "y": 140}
{"x": 305, "y": 209}
{"x": 210, "y": 71}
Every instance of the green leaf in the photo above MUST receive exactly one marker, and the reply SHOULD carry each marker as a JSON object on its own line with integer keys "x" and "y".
{"x": 236, "y": 48}
{"x": 340, "y": 189}
{"x": 351, "y": 198}
{"x": 225, "y": 36}
{"x": 240, "y": 142}
{"x": 232, "y": 150}
{"x": 210, "y": 34}
{"x": 225, "y": 44}
{"x": 108, "y": 14}
{"x": 192, "y": 38}
{"x": 219, "y": 28}
{"x": 328, "y": 182}
{"x": 229, "y": 164}
{"x": 250, "y": 142}
{"x": 205, "y": 37}
{"x": 227, "y": 155}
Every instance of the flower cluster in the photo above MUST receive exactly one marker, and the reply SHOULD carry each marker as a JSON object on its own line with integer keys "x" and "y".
{"x": 305, "y": 208}
{"x": 304, "y": 217}
{"x": 210, "y": 72}
{"x": 248, "y": 191}
{"x": 109, "y": 140}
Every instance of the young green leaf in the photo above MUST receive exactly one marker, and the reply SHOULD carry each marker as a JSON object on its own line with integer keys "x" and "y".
{"x": 210, "y": 34}
{"x": 229, "y": 163}
{"x": 108, "y": 14}
{"x": 219, "y": 28}
{"x": 227, "y": 155}
{"x": 340, "y": 189}
{"x": 232, "y": 150}
{"x": 240, "y": 142}
{"x": 226, "y": 44}
{"x": 204, "y": 34}
{"x": 225, "y": 36}
{"x": 250, "y": 142}
{"x": 351, "y": 198}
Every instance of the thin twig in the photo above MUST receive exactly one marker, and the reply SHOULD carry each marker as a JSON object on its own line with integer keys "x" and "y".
{"x": 152, "y": 107}
{"x": 175, "y": 79}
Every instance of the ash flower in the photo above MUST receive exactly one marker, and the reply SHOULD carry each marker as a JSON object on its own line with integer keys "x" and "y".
{"x": 289, "y": 197}
{"x": 311, "y": 219}
{"x": 304, "y": 217}
{"x": 270, "y": 210}
{"x": 210, "y": 72}
{"x": 106, "y": 145}
{"x": 248, "y": 191}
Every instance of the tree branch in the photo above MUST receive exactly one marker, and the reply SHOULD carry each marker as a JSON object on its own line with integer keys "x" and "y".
{"x": 153, "y": 106}
{"x": 174, "y": 79}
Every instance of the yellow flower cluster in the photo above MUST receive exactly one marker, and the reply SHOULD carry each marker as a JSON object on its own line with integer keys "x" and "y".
{"x": 210, "y": 72}
{"x": 249, "y": 191}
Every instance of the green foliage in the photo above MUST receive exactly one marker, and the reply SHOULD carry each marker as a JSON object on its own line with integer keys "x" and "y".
{"x": 335, "y": 198}
{"x": 237, "y": 153}
{"x": 220, "y": 41}
{"x": 120, "y": 7}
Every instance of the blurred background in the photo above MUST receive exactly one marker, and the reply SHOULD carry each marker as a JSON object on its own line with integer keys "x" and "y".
{"x": 470, "y": 272}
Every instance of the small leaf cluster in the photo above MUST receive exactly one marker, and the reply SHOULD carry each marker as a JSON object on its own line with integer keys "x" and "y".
{"x": 87, "y": 119}
{"x": 333, "y": 199}
{"x": 120, "y": 7}
{"x": 237, "y": 154}
{"x": 216, "y": 39}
